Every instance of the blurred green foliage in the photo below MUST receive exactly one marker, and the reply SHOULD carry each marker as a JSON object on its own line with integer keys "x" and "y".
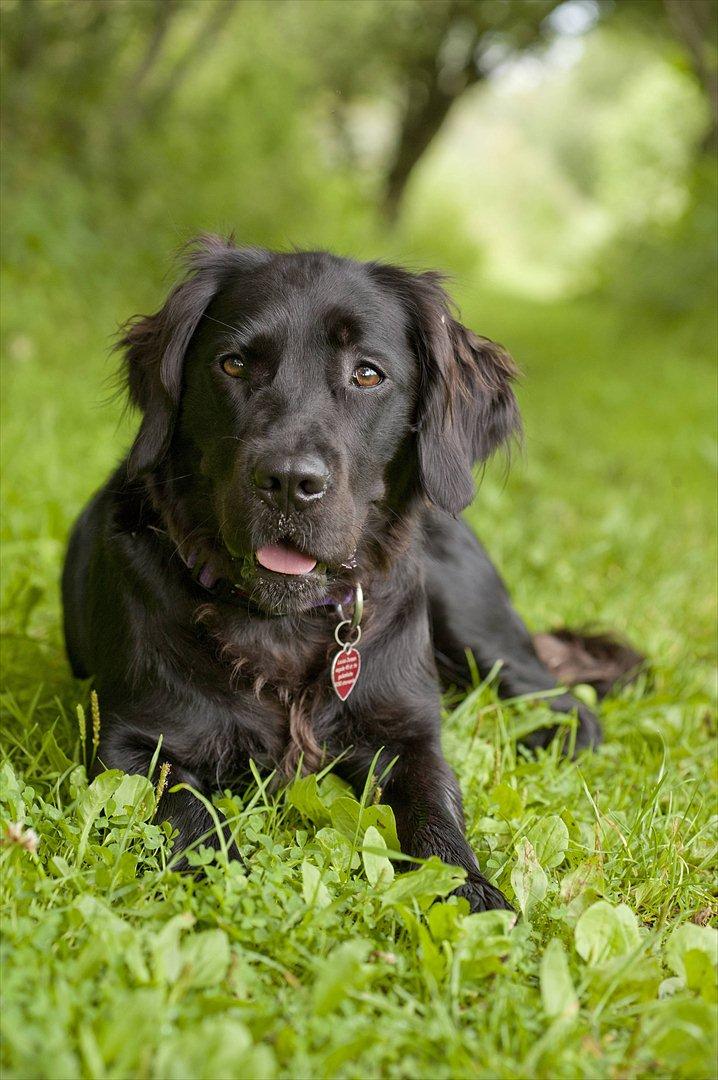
{"x": 521, "y": 141}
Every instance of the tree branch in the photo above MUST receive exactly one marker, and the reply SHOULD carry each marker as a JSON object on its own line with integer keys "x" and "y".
{"x": 208, "y": 31}
{"x": 132, "y": 106}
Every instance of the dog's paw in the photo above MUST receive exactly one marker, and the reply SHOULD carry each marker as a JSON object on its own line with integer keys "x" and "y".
{"x": 588, "y": 729}
{"x": 589, "y": 734}
{"x": 482, "y": 895}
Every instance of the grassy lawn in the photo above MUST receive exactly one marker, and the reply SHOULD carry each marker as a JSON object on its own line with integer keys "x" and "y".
{"x": 309, "y": 961}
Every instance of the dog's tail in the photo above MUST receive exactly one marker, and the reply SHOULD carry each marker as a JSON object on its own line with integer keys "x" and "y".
{"x": 575, "y": 656}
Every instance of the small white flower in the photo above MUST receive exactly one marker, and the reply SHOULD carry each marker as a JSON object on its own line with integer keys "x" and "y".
{"x": 16, "y": 833}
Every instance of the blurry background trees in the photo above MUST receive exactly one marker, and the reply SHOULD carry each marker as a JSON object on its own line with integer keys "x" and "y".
{"x": 546, "y": 148}
{"x": 555, "y": 157}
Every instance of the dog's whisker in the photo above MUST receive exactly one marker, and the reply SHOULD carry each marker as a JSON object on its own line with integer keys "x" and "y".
{"x": 175, "y": 479}
{"x": 228, "y": 326}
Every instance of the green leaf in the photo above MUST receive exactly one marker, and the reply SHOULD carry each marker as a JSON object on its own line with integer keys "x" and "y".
{"x": 432, "y": 957}
{"x": 201, "y": 856}
{"x": 681, "y": 1036}
{"x": 378, "y": 868}
{"x": 315, "y": 893}
{"x": 580, "y": 888}
{"x": 125, "y": 868}
{"x": 214, "y": 1046}
{"x": 585, "y": 693}
{"x": 339, "y": 973}
{"x": 490, "y": 826}
{"x": 339, "y": 849}
{"x": 626, "y": 979}
{"x": 165, "y": 948}
{"x": 587, "y": 877}
{"x": 303, "y": 795}
{"x": 205, "y": 958}
{"x": 133, "y": 795}
{"x": 332, "y": 787}
{"x": 55, "y": 755}
{"x": 604, "y": 932}
{"x": 10, "y": 785}
{"x": 445, "y": 920}
{"x": 507, "y": 801}
{"x": 348, "y": 816}
{"x": 557, "y": 990}
{"x": 60, "y": 866}
{"x": 129, "y": 1020}
{"x": 432, "y": 879}
{"x": 484, "y": 943}
{"x": 93, "y": 799}
{"x": 528, "y": 878}
{"x": 549, "y": 839}
{"x": 701, "y": 974}
{"x": 689, "y": 938}
{"x": 692, "y": 952}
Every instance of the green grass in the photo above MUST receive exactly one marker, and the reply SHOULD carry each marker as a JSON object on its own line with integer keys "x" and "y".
{"x": 308, "y": 961}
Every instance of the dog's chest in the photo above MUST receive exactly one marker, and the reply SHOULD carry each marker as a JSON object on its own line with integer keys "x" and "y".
{"x": 278, "y": 681}
{"x": 287, "y": 662}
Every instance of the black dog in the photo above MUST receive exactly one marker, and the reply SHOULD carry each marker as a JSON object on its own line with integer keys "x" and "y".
{"x": 309, "y": 423}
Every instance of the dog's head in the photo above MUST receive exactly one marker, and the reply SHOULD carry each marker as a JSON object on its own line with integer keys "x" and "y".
{"x": 301, "y": 401}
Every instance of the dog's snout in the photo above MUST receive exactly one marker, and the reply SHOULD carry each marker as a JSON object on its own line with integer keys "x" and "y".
{"x": 290, "y": 483}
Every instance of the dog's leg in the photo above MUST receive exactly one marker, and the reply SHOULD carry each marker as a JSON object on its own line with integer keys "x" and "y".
{"x": 121, "y": 747}
{"x": 471, "y": 609}
{"x": 425, "y": 797}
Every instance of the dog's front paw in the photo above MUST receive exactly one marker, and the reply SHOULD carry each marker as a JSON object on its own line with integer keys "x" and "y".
{"x": 482, "y": 895}
{"x": 589, "y": 734}
{"x": 588, "y": 729}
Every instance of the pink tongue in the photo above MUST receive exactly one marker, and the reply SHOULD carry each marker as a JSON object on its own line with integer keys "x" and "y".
{"x": 284, "y": 559}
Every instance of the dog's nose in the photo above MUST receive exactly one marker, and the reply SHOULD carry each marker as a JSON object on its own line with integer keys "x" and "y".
{"x": 291, "y": 483}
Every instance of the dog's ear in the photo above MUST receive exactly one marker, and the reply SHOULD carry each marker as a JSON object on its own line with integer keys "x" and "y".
{"x": 155, "y": 345}
{"x": 466, "y": 406}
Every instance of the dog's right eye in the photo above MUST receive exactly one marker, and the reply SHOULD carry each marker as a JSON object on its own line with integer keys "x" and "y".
{"x": 233, "y": 366}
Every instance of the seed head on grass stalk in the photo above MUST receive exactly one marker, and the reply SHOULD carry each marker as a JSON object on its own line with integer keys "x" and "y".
{"x": 82, "y": 724}
{"x": 95, "y": 711}
{"x": 162, "y": 781}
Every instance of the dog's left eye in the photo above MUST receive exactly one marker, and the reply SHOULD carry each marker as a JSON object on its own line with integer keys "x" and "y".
{"x": 366, "y": 376}
{"x": 233, "y": 365}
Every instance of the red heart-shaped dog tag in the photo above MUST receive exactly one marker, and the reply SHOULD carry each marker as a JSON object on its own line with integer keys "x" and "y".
{"x": 345, "y": 672}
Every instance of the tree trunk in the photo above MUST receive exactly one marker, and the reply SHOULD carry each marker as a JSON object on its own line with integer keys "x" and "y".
{"x": 694, "y": 24}
{"x": 432, "y": 90}
{"x": 427, "y": 108}
{"x": 426, "y": 111}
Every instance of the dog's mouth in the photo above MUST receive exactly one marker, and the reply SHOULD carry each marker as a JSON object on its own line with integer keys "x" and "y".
{"x": 281, "y": 578}
{"x": 284, "y": 558}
